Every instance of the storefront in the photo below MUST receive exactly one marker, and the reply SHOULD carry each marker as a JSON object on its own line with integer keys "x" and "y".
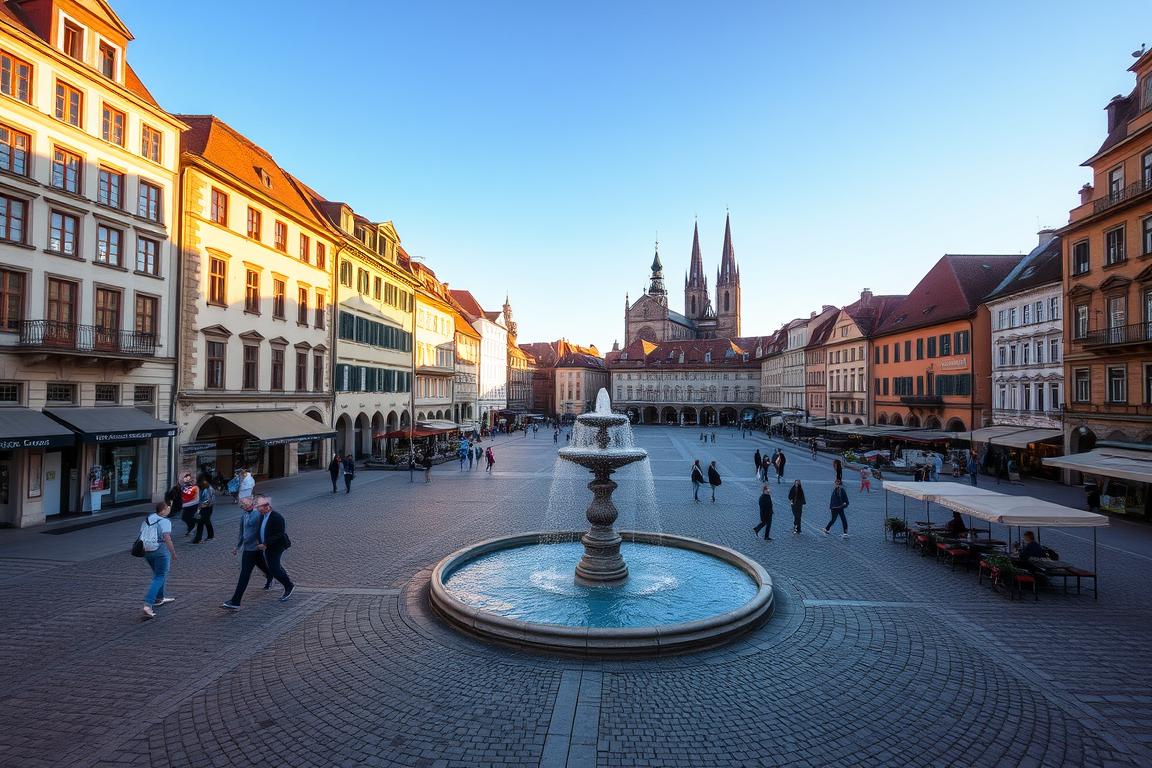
{"x": 118, "y": 461}
{"x": 34, "y": 453}
{"x": 1123, "y": 476}
{"x": 268, "y": 443}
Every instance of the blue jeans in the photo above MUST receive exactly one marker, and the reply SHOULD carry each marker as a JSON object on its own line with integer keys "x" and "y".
{"x": 837, "y": 513}
{"x": 972, "y": 475}
{"x": 249, "y": 559}
{"x": 160, "y": 561}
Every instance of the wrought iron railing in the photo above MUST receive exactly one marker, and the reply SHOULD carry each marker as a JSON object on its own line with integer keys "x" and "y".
{"x": 1135, "y": 189}
{"x": 922, "y": 400}
{"x": 1137, "y": 333}
{"x": 74, "y": 337}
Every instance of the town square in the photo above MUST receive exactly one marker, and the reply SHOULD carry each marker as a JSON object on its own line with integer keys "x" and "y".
{"x": 613, "y": 385}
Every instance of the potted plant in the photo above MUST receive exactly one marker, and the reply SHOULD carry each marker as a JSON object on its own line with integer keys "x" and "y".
{"x": 896, "y": 526}
{"x": 1003, "y": 570}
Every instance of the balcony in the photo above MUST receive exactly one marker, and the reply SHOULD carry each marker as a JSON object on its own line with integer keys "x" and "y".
{"x": 922, "y": 400}
{"x": 74, "y": 339}
{"x": 1120, "y": 336}
{"x": 1130, "y": 192}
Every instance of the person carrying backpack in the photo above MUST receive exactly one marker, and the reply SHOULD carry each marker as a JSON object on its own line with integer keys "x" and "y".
{"x": 159, "y": 552}
{"x": 697, "y": 480}
{"x": 713, "y": 479}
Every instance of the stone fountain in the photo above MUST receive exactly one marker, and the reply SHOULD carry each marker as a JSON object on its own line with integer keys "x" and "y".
{"x": 681, "y": 594}
{"x": 602, "y": 563}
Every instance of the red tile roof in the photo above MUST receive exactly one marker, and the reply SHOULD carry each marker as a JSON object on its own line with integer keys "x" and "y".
{"x": 870, "y": 312}
{"x": 667, "y": 354}
{"x": 472, "y": 309}
{"x": 951, "y": 290}
{"x": 227, "y": 149}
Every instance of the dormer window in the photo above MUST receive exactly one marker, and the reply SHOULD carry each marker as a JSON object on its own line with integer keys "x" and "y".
{"x": 72, "y": 40}
{"x": 107, "y": 60}
{"x": 1146, "y": 92}
{"x": 265, "y": 179}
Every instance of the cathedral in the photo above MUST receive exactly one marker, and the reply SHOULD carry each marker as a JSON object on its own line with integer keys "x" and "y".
{"x": 650, "y": 318}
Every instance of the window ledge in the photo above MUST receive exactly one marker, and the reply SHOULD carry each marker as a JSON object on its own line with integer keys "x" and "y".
{"x": 1115, "y": 265}
{"x": 147, "y": 274}
{"x": 63, "y": 255}
{"x": 220, "y": 304}
{"x": 106, "y": 265}
{"x": 251, "y": 312}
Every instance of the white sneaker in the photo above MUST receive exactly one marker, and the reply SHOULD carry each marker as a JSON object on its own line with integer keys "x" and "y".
{"x": 844, "y": 536}
{"x": 164, "y": 601}
{"x": 824, "y": 531}
{"x": 148, "y": 612}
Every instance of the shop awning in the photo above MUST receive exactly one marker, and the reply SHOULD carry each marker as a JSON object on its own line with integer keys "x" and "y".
{"x": 1023, "y": 511}
{"x": 1108, "y": 462}
{"x": 929, "y": 436}
{"x": 26, "y": 428}
{"x": 111, "y": 424}
{"x": 988, "y": 434}
{"x": 863, "y": 430}
{"x": 277, "y": 427}
{"x": 439, "y": 425}
{"x": 1028, "y": 436}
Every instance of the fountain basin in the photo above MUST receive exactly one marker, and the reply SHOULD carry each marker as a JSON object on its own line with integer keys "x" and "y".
{"x": 748, "y": 604}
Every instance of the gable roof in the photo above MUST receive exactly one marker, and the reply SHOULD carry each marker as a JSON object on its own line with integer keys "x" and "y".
{"x": 229, "y": 150}
{"x": 695, "y": 352}
{"x": 472, "y": 309}
{"x": 1044, "y": 265}
{"x": 951, "y": 290}
{"x": 869, "y": 311}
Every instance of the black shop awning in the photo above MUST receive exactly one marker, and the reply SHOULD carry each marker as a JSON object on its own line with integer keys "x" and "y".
{"x": 25, "y": 428}
{"x": 111, "y": 424}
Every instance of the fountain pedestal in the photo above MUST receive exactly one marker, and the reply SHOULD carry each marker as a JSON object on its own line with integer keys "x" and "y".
{"x": 602, "y": 561}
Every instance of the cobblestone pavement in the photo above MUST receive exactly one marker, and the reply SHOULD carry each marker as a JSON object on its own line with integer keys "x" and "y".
{"x": 875, "y": 656}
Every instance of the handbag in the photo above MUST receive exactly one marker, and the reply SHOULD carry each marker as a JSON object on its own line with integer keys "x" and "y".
{"x": 138, "y": 548}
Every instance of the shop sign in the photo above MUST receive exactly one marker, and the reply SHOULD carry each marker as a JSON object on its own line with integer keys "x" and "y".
{"x": 110, "y": 437}
{"x": 954, "y": 363}
{"x": 192, "y": 448}
{"x": 37, "y": 442}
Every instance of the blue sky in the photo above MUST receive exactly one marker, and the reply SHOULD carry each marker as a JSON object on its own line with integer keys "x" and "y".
{"x": 538, "y": 148}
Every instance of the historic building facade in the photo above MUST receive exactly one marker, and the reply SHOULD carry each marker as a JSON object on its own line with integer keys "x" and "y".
{"x": 931, "y": 359}
{"x": 651, "y": 318}
{"x": 255, "y": 326}
{"x": 1026, "y": 313}
{"x": 467, "y": 340}
{"x": 435, "y": 349}
{"x": 492, "y": 382}
{"x": 519, "y": 368}
{"x": 1108, "y": 282}
{"x": 579, "y": 377}
{"x": 87, "y": 268}
{"x": 847, "y": 351}
{"x": 706, "y": 382}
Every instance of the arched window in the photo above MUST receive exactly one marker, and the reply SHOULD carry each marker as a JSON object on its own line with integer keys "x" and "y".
{"x": 693, "y": 305}
{"x": 725, "y": 301}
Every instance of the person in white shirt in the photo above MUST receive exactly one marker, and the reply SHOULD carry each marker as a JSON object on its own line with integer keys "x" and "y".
{"x": 159, "y": 552}
{"x": 247, "y": 485}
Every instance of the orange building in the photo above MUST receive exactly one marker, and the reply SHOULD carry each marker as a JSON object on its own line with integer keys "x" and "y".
{"x": 932, "y": 356}
{"x": 1108, "y": 282}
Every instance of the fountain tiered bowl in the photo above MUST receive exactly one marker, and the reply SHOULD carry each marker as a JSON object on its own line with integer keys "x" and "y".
{"x": 602, "y": 592}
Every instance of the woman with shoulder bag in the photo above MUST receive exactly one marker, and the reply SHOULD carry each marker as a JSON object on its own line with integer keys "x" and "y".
{"x": 796, "y": 498}
{"x": 204, "y": 513}
{"x": 159, "y": 552}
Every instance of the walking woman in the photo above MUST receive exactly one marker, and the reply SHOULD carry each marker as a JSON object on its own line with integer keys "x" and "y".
{"x": 839, "y": 469}
{"x": 713, "y": 479}
{"x": 781, "y": 460}
{"x": 334, "y": 470}
{"x": 797, "y": 500}
{"x": 159, "y": 552}
{"x": 837, "y": 504}
{"x": 758, "y": 460}
{"x": 490, "y": 458}
{"x": 697, "y": 480}
{"x": 204, "y": 513}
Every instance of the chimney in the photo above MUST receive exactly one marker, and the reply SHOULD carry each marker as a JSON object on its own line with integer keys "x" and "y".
{"x": 1086, "y": 192}
{"x": 812, "y": 314}
{"x": 866, "y": 294}
{"x": 826, "y": 308}
{"x": 1046, "y": 236}
{"x": 1118, "y": 102}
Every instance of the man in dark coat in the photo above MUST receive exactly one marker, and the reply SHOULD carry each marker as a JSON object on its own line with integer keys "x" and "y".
{"x": 765, "y": 514}
{"x": 334, "y": 468}
{"x": 713, "y": 478}
{"x": 697, "y": 480}
{"x": 836, "y": 505}
{"x": 273, "y": 541}
{"x": 349, "y": 466}
{"x": 759, "y": 462}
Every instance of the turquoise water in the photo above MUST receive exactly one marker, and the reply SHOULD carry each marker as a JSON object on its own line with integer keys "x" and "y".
{"x": 665, "y": 585}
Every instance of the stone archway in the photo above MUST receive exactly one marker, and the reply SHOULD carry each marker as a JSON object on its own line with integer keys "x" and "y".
{"x": 913, "y": 421}
{"x": 688, "y": 415}
{"x": 650, "y": 415}
{"x": 955, "y": 425}
{"x": 363, "y": 435}
{"x": 859, "y": 422}
{"x": 378, "y": 429}
{"x": 727, "y": 417}
{"x": 669, "y": 415}
{"x": 405, "y": 419}
{"x": 932, "y": 422}
{"x": 707, "y": 416}
{"x": 345, "y": 435}
{"x": 882, "y": 420}
{"x": 896, "y": 420}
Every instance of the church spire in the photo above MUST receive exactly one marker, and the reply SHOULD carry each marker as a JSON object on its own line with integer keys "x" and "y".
{"x": 729, "y": 272}
{"x": 696, "y": 268}
{"x": 656, "y": 287}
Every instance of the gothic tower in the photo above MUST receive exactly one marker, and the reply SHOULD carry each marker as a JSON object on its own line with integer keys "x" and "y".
{"x": 509, "y": 323}
{"x": 728, "y": 288}
{"x": 695, "y": 284}
{"x": 656, "y": 287}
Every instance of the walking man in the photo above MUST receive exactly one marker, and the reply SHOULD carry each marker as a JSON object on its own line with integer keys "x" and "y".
{"x": 468, "y": 450}
{"x": 973, "y": 468}
{"x": 334, "y": 470}
{"x": 837, "y": 504}
{"x": 758, "y": 460}
{"x": 697, "y": 480}
{"x": 349, "y": 467}
{"x": 159, "y": 552}
{"x": 251, "y": 556}
{"x": 713, "y": 479}
{"x": 273, "y": 541}
{"x": 427, "y": 464}
{"x": 765, "y": 514}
